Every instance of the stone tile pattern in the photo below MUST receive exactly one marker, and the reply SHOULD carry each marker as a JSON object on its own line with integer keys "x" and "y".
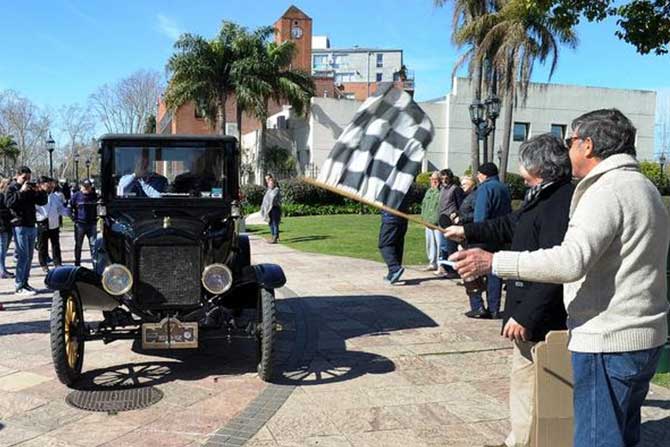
{"x": 395, "y": 365}
{"x": 204, "y": 389}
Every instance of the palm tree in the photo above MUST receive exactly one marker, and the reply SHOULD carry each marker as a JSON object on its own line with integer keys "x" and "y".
{"x": 267, "y": 76}
{"x": 523, "y": 33}
{"x": 201, "y": 73}
{"x": 8, "y": 150}
{"x": 471, "y": 21}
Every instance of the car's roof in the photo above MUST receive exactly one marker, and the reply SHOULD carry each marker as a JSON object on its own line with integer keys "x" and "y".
{"x": 159, "y": 137}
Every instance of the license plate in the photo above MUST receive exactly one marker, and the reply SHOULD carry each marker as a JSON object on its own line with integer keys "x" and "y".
{"x": 169, "y": 333}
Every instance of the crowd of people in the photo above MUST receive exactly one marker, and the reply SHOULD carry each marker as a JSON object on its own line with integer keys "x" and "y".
{"x": 31, "y": 215}
{"x": 585, "y": 251}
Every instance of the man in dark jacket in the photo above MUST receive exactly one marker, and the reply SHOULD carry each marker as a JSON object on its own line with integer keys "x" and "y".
{"x": 392, "y": 241}
{"x": 21, "y": 198}
{"x": 84, "y": 205}
{"x": 493, "y": 200}
{"x": 531, "y": 309}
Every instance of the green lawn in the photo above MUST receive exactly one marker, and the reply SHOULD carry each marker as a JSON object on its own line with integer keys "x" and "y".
{"x": 662, "y": 379}
{"x": 344, "y": 235}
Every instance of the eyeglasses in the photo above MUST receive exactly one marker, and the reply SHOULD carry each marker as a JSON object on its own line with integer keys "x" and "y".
{"x": 569, "y": 141}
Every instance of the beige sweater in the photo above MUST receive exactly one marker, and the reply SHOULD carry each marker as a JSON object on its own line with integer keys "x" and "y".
{"x": 612, "y": 261}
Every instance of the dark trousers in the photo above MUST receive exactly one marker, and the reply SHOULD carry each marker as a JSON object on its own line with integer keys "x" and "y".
{"x": 447, "y": 248}
{"x": 392, "y": 243}
{"x": 44, "y": 236}
{"x": 275, "y": 217}
{"x": 81, "y": 230}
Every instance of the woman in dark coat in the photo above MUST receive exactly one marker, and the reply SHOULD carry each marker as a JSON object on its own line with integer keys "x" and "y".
{"x": 531, "y": 309}
{"x": 5, "y": 230}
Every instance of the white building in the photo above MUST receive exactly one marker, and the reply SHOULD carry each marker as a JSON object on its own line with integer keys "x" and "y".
{"x": 548, "y": 108}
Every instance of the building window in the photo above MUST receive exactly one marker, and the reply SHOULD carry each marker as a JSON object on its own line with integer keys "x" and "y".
{"x": 521, "y": 131}
{"x": 320, "y": 61}
{"x": 558, "y": 130}
{"x": 340, "y": 60}
{"x": 200, "y": 111}
{"x": 380, "y": 60}
{"x": 344, "y": 77}
{"x": 379, "y": 77}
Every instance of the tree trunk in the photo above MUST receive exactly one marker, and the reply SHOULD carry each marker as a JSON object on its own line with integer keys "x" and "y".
{"x": 239, "y": 113}
{"x": 492, "y": 135}
{"x": 474, "y": 139}
{"x": 508, "y": 105}
{"x": 221, "y": 114}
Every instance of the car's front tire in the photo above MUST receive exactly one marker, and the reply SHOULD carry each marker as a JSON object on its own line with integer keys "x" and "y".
{"x": 266, "y": 321}
{"x": 67, "y": 336}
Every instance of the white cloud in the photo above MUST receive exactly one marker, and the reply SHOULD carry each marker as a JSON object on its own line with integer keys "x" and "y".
{"x": 168, "y": 27}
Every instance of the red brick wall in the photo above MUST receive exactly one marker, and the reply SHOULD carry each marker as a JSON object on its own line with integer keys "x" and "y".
{"x": 283, "y": 26}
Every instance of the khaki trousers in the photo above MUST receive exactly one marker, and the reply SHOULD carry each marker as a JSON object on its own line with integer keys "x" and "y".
{"x": 522, "y": 394}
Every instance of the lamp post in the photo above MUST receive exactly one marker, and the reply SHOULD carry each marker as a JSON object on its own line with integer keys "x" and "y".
{"x": 483, "y": 115}
{"x": 88, "y": 168}
{"x": 51, "y": 145}
{"x": 76, "y": 168}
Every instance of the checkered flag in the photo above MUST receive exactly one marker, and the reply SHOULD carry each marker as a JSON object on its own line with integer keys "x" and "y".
{"x": 380, "y": 152}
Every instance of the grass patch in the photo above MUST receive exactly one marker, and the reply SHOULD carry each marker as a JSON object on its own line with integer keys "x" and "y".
{"x": 350, "y": 235}
{"x": 662, "y": 379}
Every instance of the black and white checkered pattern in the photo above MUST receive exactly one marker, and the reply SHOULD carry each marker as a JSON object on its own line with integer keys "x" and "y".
{"x": 381, "y": 150}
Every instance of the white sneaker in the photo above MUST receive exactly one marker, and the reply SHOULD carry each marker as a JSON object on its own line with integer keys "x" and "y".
{"x": 25, "y": 292}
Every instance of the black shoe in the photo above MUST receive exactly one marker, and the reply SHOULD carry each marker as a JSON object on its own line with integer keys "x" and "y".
{"x": 29, "y": 288}
{"x": 451, "y": 275}
{"x": 481, "y": 314}
{"x": 496, "y": 315}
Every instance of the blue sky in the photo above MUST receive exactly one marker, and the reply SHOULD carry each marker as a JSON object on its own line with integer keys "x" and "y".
{"x": 59, "y": 51}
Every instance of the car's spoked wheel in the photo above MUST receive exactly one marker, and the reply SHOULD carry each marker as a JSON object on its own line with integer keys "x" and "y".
{"x": 67, "y": 336}
{"x": 266, "y": 319}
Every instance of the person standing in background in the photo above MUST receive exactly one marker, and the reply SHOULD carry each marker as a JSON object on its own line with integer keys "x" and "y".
{"x": 84, "y": 205}
{"x": 271, "y": 207}
{"x": 451, "y": 197}
{"x": 429, "y": 213}
{"x": 5, "y": 229}
{"x": 48, "y": 226}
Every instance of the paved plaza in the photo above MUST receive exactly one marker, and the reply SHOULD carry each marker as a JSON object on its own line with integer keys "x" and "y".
{"x": 362, "y": 363}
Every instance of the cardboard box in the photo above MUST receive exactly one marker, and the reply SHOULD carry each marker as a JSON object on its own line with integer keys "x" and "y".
{"x": 553, "y": 397}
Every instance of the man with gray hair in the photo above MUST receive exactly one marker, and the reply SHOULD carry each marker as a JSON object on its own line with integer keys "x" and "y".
{"x": 532, "y": 309}
{"x": 612, "y": 263}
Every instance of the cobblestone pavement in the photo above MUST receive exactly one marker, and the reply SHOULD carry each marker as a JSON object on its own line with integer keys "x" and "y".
{"x": 362, "y": 364}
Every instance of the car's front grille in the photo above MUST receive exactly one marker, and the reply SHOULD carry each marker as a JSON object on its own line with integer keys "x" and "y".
{"x": 168, "y": 276}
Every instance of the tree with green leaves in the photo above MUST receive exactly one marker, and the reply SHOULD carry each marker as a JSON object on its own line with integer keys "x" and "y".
{"x": 8, "y": 151}
{"x": 266, "y": 76}
{"x": 470, "y": 23}
{"x": 524, "y": 33}
{"x": 200, "y": 72}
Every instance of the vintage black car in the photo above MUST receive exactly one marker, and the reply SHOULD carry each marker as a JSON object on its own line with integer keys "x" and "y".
{"x": 169, "y": 265}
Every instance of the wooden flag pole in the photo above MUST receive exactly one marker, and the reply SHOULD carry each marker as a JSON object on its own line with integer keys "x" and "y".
{"x": 353, "y": 196}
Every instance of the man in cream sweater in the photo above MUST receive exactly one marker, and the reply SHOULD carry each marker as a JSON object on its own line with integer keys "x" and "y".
{"x": 612, "y": 262}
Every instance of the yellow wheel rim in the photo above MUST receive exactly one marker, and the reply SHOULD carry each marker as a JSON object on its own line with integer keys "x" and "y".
{"x": 71, "y": 339}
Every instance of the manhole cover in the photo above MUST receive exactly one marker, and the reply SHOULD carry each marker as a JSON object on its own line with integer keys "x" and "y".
{"x": 115, "y": 400}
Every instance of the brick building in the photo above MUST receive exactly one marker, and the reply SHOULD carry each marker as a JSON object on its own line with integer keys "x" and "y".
{"x": 330, "y": 80}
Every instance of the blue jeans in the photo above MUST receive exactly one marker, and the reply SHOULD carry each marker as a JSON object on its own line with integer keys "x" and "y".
{"x": 80, "y": 230}
{"x": 24, "y": 241}
{"x": 275, "y": 216}
{"x": 493, "y": 292}
{"x": 447, "y": 248}
{"x": 5, "y": 237}
{"x": 609, "y": 390}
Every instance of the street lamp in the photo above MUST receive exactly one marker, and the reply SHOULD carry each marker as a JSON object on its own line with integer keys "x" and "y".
{"x": 76, "y": 168}
{"x": 88, "y": 168}
{"x": 483, "y": 115}
{"x": 51, "y": 145}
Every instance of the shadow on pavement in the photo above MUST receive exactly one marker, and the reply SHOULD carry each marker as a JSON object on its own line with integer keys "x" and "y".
{"x": 663, "y": 404}
{"x": 330, "y": 321}
{"x": 652, "y": 431}
{"x": 305, "y": 239}
{"x": 34, "y": 327}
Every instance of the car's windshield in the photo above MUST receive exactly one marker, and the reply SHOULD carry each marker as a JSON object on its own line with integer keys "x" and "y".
{"x": 158, "y": 172}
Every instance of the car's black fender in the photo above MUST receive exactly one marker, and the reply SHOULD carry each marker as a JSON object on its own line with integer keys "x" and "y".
{"x": 87, "y": 283}
{"x": 269, "y": 276}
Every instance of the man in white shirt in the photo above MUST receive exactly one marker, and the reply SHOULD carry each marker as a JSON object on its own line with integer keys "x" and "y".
{"x": 48, "y": 225}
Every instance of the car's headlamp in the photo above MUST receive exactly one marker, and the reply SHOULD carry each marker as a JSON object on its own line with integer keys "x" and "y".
{"x": 217, "y": 278}
{"x": 117, "y": 279}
